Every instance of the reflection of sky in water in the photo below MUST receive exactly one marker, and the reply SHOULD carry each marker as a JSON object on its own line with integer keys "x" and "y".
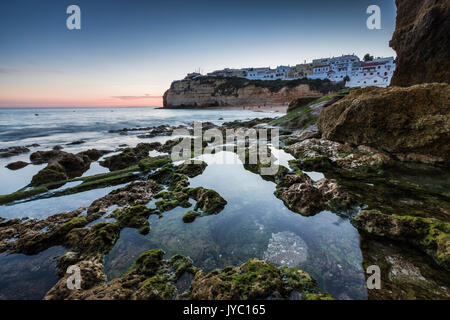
{"x": 13, "y": 180}
{"x": 243, "y": 229}
{"x": 43, "y": 208}
{"x": 28, "y": 277}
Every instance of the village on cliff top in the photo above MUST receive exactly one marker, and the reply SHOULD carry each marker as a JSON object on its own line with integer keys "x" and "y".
{"x": 349, "y": 68}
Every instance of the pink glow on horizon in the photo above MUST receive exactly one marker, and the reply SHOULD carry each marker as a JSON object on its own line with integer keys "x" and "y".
{"x": 150, "y": 101}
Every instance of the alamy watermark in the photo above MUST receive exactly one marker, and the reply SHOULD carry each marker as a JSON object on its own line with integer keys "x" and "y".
{"x": 258, "y": 147}
{"x": 73, "y": 21}
{"x": 73, "y": 281}
{"x": 374, "y": 20}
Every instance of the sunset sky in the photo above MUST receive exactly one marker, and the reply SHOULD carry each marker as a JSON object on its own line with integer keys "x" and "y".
{"x": 129, "y": 51}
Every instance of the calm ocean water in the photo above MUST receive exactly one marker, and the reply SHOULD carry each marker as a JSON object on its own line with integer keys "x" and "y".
{"x": 22, "y": 126}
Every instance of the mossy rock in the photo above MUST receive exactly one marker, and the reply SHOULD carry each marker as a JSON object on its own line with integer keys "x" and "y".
{"x": 134, "y": 217}
{"x": 208, "y": 200}
{"x": 427, "y": 234}
{"x": 153, "y": 163}
{"x": 191, "y": 168}
{"x": 255, "y": 279}
{"x": 148, "y": 263}
{"x": 171, "y": 200}
{"x": 98, "y": 239}
{"x": 47, "y": 175}
{"x": 190, "y": 216}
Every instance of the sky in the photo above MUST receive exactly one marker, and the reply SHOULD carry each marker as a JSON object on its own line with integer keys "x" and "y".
{"x": 128, "y": 52}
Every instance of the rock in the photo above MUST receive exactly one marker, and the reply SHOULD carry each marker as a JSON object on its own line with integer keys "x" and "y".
{"x": 396, "y": 120}
{"x": 215, "y": 91}
{"x": 76, "y": 142}
{"x": 64, "y": 166}
{"x": 209, "y": 201}
{"x": 17, "y": 165}
{"x": 427, "y": 234}
{"x": 40, "y": 157}
{"x": 190, "y": 216}
{"x": 34, "y": 236}
{"x": 58, "y": 147}
{"x": 137, "y": 192}
{"x": 421, "y": 41}
{"x": 94, "y": 154}
{"x": 300, "y": 102}
{"x": 73, "y": 165}
{"x": 192, "y": 169}
{"x": 302, "y": 195}
{"x": 161, "y": 130}
{"x": 150, "y": 278}
{"x": 152, "y": 163}
{"x": 286, "y": 249}
{"x": 406, "y": 274}
{"x": 301, "y": 136}
{"x": 303, "y": 198}
{"x": 12, "y": 151}
{"x": 52, "y": 173}
{"x": 129, "y": 156}
{"x": 92, "y": 275}
{"x": 255, "y": 279}
{"x": 305, "y": 117}
{"x": 134, "y": 217}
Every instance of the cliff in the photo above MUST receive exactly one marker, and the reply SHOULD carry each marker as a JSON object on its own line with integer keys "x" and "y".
{"x": 215, "y": 91}
{"x": 421, "y": 40}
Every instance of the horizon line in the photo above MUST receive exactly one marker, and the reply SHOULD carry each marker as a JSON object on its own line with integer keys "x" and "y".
{"x": 73, "y": 107}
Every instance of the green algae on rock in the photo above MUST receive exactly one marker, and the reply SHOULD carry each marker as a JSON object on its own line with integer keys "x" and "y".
{"x": 430, "y": 235}
{"x": 152, "y": 163}
{"x": 150, "y": 278}
{"x": 190, "y": 216}
{"x": 191, "y": 168}
{"x": 134, "y": 217}
{"x": 153, "y": 278}
{"x": 128, "y": 157}
{"x": 208, "y": 201}
{"x": 255, "y": 279}
{"x": 406, "y": 273}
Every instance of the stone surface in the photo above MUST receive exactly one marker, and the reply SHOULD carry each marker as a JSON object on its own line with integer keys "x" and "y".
{"x": 17, "y": 165}
{"x": 421, "y": 40}
{"x": 413, "y": 120}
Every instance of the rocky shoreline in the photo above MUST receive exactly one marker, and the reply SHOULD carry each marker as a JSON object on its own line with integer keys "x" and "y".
{"x": 357, "y": 184}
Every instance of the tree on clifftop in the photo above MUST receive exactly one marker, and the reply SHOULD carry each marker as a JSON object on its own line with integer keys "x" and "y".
{"x": 368, "y": 57}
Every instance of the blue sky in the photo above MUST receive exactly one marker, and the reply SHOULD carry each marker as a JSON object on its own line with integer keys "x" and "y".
{"x": 128, "y": 52}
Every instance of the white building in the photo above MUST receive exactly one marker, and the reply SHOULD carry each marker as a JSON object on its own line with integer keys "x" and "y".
{"x": 377, "y": 73}
{"x": 280, "y": 73}
{"x": 361, "y": 74}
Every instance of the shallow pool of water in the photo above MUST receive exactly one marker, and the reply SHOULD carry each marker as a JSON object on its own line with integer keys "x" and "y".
{"x": 28, "y": 277}
{"x": 252, "y": 217}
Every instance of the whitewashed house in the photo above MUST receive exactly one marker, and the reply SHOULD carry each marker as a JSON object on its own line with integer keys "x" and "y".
{"x": 377, "y": 73}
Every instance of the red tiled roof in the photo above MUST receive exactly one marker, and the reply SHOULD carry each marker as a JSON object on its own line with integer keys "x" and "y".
{"x": 370, "y": 64}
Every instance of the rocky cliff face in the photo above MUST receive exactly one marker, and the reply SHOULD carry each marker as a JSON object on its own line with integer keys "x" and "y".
{"x": 412, "y": 122}
{"x": 421, "y": 40}
{"x": 208, "y": 92}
